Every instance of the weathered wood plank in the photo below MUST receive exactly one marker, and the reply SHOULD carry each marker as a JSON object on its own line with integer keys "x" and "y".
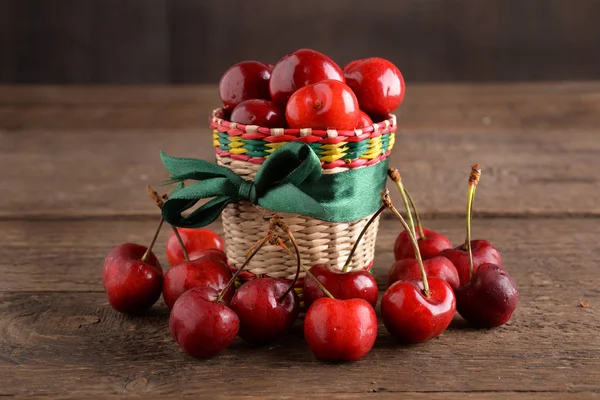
{"x": 104, "y": 172}
{"x": 542, "y": 254}
{"x": 551, "y": 344}
{"x": 373, "y": 393}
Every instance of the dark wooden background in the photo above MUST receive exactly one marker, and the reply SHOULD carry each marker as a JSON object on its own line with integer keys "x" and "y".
{"x": 181, "y": 41}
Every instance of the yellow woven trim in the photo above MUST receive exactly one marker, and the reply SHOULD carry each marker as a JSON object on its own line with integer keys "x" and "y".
{"x": 271, "y": 147}
{"x": 331, "y": 158}
{"x": 392, "y": 140}
{"x": 216, "y": 138}
{"x": 333, "y": 146}
{"x": 374, "y": 148}
{"x": 239, "y": 150}
{"x": 334, "y": 152}
{"x": 235, "y": 145}
{"x": 235, "y": 139}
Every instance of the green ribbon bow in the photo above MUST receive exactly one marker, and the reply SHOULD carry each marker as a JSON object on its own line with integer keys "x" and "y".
{"x": 290, "y": 180}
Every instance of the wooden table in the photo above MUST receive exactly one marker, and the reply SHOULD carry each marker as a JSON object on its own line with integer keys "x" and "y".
{"x": 75, "y": 161}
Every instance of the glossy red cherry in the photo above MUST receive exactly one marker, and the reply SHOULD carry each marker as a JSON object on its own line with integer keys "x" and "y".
{"x": 483, "y": 252}
{"x": 342, "y": 285}
{"x": 439, "y": 267}
{"x": 132, "y": 285}
{"x": 364, "y": 120}
{"x": 263, "y": 317}
{"x": 411, "y": 316}
{"x": 259, "y": 112}
{"x": 200, "y": 325}
{"x": 244, "y": 81}
{"x": 205, "y": 271}
{"x": 298, "y": 69}
{"x": 378, "y": 85}
{"x": 195, "y": 240}
{"x": 489, "y": 299}
{"x": 340, "y": 330}
{"x": 325, "y": 105}
{"x": 430, "y": 246}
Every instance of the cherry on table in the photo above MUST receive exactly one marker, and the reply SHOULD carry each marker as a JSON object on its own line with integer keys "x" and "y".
{"x": 200, "y": 324}
{"x": 408, "y": 269}
{"x": 298, "y": 69}
{"x": 483, "y": 252}
{"x": 196, "y": 241}
{"x": 266, "y": 308}
{"x": 341, "y": 285}
{"x": 414, "y": 311}
{"x": 206, "y": 271}
{"x": 340, "y": 330}
{"x": 132, "y": 283}
{"x": 489, "y": 297}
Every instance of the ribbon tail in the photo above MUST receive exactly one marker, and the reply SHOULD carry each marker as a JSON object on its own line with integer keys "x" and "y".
{"x": 203, "y": 216}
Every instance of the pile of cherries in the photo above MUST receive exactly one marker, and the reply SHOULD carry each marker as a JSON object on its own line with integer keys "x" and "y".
{"x": 429, "y": 281}
{"x": 307, "y": 89}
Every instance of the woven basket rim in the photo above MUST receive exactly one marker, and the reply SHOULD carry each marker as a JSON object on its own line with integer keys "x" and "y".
{"x": 217, "y": 118}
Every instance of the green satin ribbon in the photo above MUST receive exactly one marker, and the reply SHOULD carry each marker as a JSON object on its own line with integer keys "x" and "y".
{"x": 290, "y": 180}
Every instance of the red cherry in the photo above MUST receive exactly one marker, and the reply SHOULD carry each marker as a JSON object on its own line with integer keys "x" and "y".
{"x": 195, "y": 241}
{"x": 263, "y": 317}
{"x": 489, "y": 299}
{"x": 351, "y": 64}
{"x": 244, "y": 81}
{"x": 411, "y": 316}
{"x": 298, "y": 69}
{"x": 364, "y": 120}
{"x": 201, "y": 326}
{"x": 340, "y": 330}
{"x": 259, "y": 112}
{"x": 132, "y": 285}
{"x": 271, "y": 66}
{"x": 328, "y": 104}
{"x": 205, "y": 271}
{"x": 378, "y": 85}
{"x": 439, "y": 267}
{"x": 483, "y": 252}
{"x": 343, "y": 286}
{"x": 429, "y": 247}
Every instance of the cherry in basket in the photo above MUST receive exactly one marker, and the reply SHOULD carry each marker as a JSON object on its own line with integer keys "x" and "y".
{"x": 244, "y": 81}
{"x": 259, "y": 112}
{"x": 298, "y": 69}
{"x": 329, "y": 104}
{"x": 378, "y": 85}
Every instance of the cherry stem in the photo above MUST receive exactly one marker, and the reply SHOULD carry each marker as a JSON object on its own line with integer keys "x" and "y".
{"x": 149, "y": 249}
{"x": 473, "y": 180}
{"x": 289, "y": 234}
{"x": 346, "y": 266}
{"x": 160, "y": 202}
{"x": 183, "y": 249}
{"x": 394, "y": 175}
{"x": 385, "y": 195}
{"x": 414, "y": 207}
{"x": 307, "y": 271}
{"x": 239, "y": 271}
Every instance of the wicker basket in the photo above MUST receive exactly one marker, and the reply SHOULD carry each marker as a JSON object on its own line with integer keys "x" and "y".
{"x": 243, "y": 148}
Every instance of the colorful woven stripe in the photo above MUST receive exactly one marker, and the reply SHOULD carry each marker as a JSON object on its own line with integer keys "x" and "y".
{"x": 349, "y": 149}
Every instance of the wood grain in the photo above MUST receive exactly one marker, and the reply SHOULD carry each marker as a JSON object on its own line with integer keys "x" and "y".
{"x": 54, "y": 318}
{"x": 536, "y": 172}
